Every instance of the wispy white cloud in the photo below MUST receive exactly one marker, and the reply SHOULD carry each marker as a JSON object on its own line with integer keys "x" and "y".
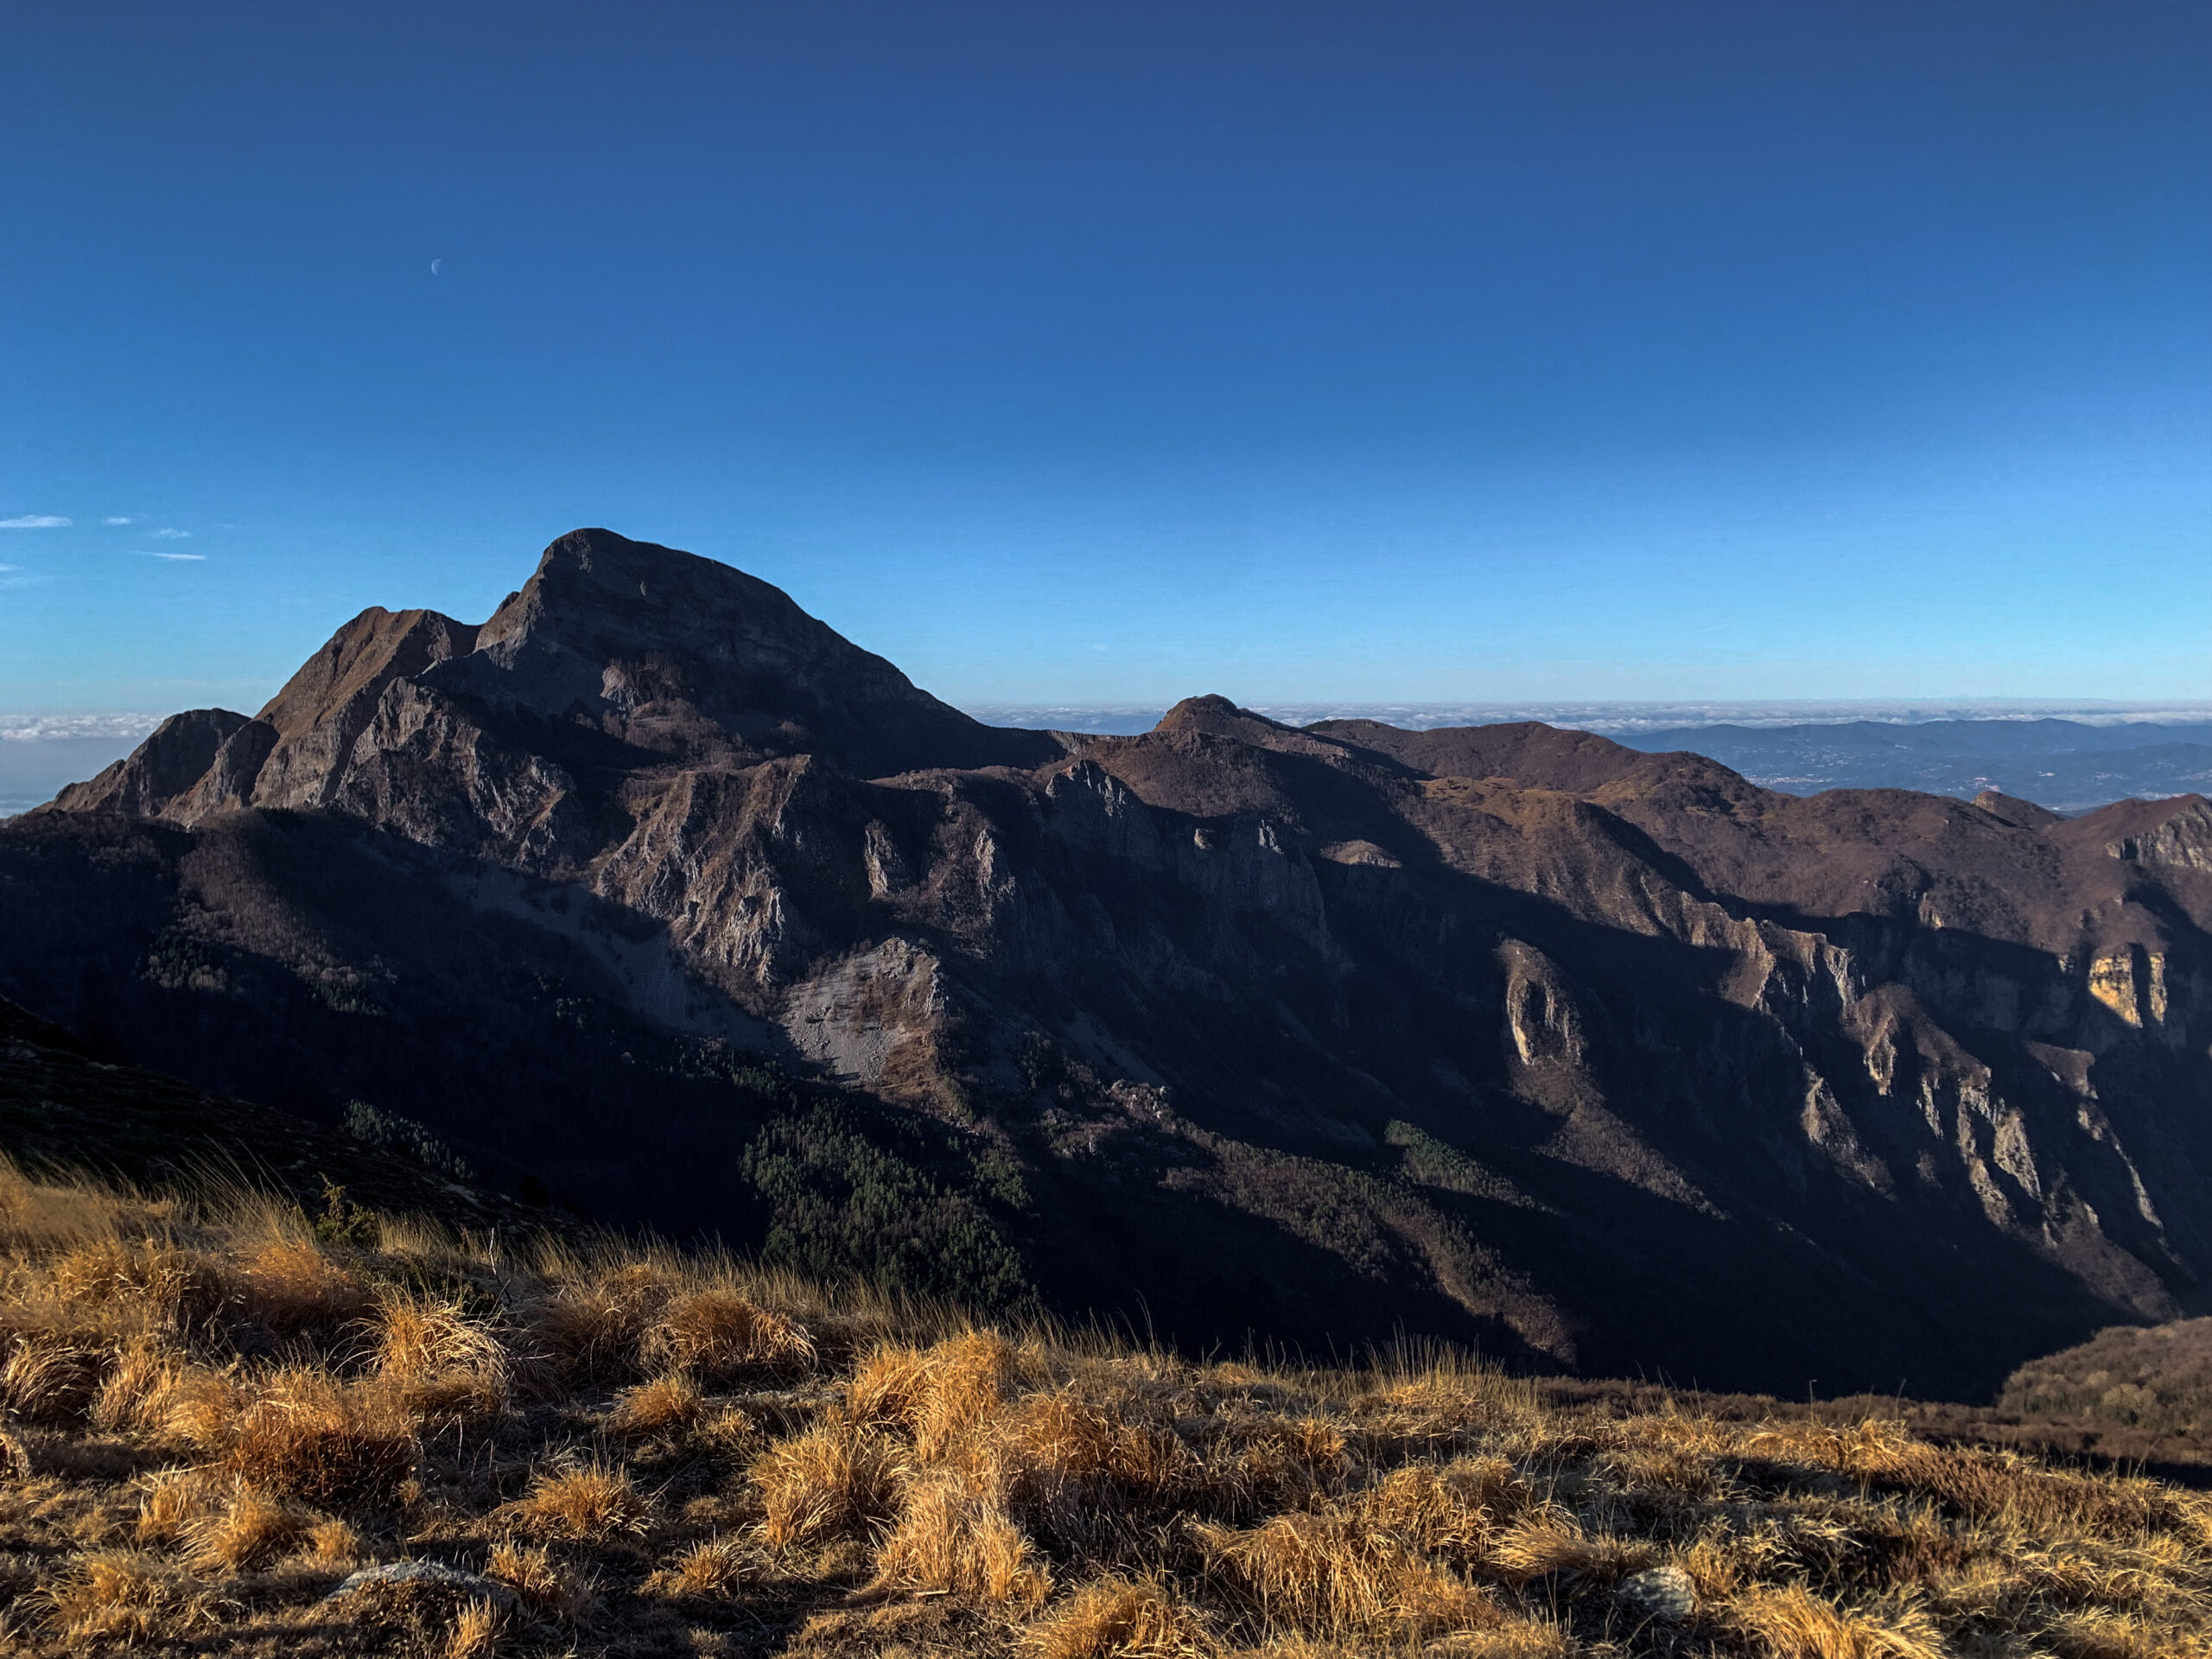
{"x": 34, "y": 521}
{"x": 122, "y": 519}
{"x": 6, "y": 569}
{"x": 33, "y": 728}
{"x": 196, "y": 558}
{"x": 174, "y": 535}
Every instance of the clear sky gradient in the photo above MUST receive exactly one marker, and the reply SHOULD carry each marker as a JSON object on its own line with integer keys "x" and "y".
{"x": 1070, "y": 353}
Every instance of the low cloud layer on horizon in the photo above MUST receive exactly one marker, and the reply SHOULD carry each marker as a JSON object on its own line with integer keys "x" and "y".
{"x": 1612, "y": 717}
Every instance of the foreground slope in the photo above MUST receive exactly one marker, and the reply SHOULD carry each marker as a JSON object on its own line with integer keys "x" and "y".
{"x": 233, "y": 1433}
{"x": 1600, "y": 1060}
{"x": 61, "y": 1106}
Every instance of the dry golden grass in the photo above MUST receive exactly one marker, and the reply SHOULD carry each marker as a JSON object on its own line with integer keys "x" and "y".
{"x": 142, "y": 1376}
{"x": 163, "y": 1284}
{"x": 334, "y": 1544}
{"x": 590, "y": 1326}
{"x": 1115, "y": 1617}
{"x": 953, "y": 1537}
{"x": 172, "y": 1501}
{"x": 305, "y": 1434}
{"x": 832, "y": 1479}
{"x": 657, "y": 1407}
{"x": 549, "y": 1589}
{"x": 251, "y": 1530}
{"x": 713, "y": 1571}
{"x": 477, "y": 1630}
{"x": 1552, "y": 1544}
{"x": 1791, "y": 1622}
{"x": 193, "y": 1405}
{"x": 430, "y": 1618}
{"x": 50, "y": 1377}
{"x": 123, "y": 1593}
{"x": 443, "y": 1366}
{"x": 590, "y": 1499}
{"x": 1519, "y": 1638}
{"x": 419, "y": 1336}
{"x": 626, "y": 1452}
{"x": 716, "y": 1336}
{"x": 292, "y": 1286}
{"x": 1335, "y": 1572}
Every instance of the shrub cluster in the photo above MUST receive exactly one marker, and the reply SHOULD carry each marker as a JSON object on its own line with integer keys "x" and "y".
{"x": 405, "y": 1138}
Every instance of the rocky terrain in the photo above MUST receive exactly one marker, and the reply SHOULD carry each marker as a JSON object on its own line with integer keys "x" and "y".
{"x": 654, "y": 893}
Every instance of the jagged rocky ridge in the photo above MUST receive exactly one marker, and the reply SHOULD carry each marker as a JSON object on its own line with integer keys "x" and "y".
{"x": 1603, "y": 1059}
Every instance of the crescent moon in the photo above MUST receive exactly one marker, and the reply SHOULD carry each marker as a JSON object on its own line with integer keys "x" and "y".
{"x": 434, "y": 263}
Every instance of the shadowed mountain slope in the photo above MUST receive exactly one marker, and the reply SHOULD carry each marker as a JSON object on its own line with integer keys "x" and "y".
{"x": 1599, "y": 1059}
{"x": 62, "y": 1107}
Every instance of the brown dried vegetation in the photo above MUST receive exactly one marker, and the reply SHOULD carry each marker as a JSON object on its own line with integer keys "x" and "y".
{"x": 218, "y": 1418}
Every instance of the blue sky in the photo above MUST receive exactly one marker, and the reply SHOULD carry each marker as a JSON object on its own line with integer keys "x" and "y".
{"x": 1091, "y": 354}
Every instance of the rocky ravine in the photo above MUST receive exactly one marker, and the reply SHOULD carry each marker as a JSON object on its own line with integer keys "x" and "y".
{"x": 1603, "y": 1059}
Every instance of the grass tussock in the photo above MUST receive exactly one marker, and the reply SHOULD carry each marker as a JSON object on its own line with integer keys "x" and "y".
{"x": 477, "y": 1630}
{"x": 833, "y": 1479}
{"x": 549, "y": 1588}
{"x": 717, "y": 1336}
{"x": 1115, "y": 1617}
{"x": 249, "y": 1530}
{"x": 590, "y": 1500}
{"x": 303, "y": 1433}
{"x": 218, "y": 1415}
{"x": 715, "y": 1571}
{"x": 662, "y": 1406}
{"x": 125, "y": 1594}
{"x": 1791, "y": 1622}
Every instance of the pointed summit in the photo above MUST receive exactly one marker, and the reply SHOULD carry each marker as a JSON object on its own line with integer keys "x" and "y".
{"x": 668, "y": 649}
{"x": 675, "y": 658}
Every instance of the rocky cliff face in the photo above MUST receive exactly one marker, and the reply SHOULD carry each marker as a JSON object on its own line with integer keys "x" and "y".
{"x": 1600, "y": 1058}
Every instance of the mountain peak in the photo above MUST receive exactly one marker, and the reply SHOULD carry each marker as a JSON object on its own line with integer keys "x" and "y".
{"x": 626, "y": 592}
{"x": 599, "y": 608}
{"x": 651, "y": 644}
{"x": 1216, "y": 716}
{"x": 676, "y": 657}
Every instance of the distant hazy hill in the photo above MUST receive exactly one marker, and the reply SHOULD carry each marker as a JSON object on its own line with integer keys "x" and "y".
{"x": 654, "y": 889}
{"x": 2065, "y": 764}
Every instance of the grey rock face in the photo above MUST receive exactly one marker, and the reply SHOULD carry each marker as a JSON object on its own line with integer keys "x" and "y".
{"x": 174, "y": 757}
{"x": 472, "y": 1587}
{"x": 1662, "y": 1593}
{"x": 2182, "y": 839}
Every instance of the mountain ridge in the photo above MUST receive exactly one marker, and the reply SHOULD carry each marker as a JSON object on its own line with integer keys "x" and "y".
{"x": 1598, "y": 1058}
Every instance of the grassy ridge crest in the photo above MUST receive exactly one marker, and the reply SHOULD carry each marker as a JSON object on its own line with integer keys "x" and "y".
{"x": 237, "y": 1426}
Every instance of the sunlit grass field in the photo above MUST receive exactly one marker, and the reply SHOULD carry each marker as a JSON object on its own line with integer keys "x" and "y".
{"x": 236, "y": 1428}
